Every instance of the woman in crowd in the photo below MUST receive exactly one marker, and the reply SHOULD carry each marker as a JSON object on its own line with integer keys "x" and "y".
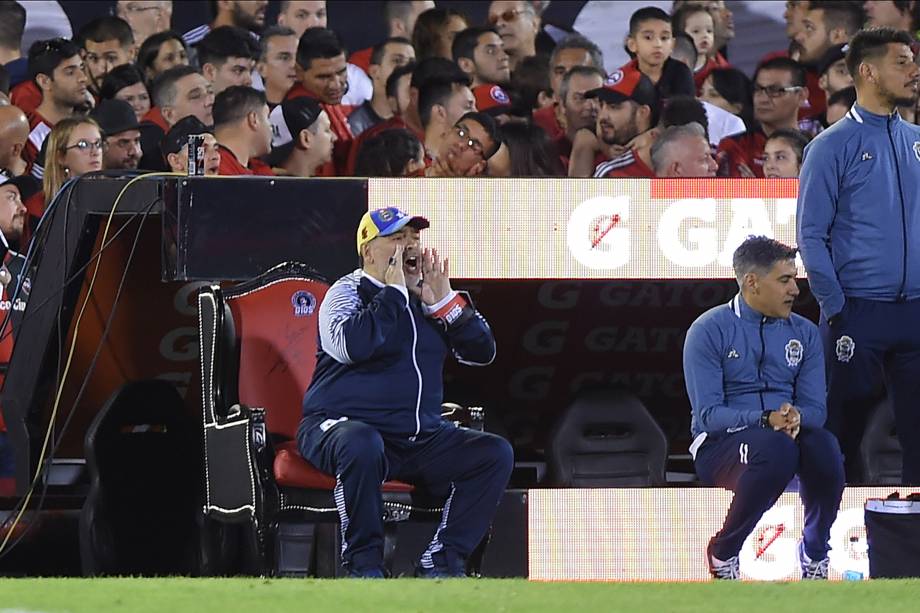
{"x": 72, "y": 149}
{"x": 126, "y": 83}
{"x": 434, "y": 33}
{"x": 783, "y": 154}
{"x": 160, "y": 52}
{"x": 730, "y": 90}
{"x": 392, "y": 153}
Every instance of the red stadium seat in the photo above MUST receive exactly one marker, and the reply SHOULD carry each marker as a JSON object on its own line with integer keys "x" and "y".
{"x": 258, "y": 353}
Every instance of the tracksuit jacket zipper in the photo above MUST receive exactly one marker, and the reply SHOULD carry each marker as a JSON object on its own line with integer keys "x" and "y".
{"x": 897, "y": 170}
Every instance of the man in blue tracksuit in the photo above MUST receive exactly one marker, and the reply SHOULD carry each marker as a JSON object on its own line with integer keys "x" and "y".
{"x": 755, "y": 377}
{"x": 858, "y": 224}
{"x": 372, "y": 411}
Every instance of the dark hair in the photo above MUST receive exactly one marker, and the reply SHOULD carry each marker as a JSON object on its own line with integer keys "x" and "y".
{"x": 46, "y": 55}
{"x": 795, "y": 69}
{"x": 106, "y": 28}
{"x": 4, "y": 80}
{"x": 225, "y": 42}
{"x": 437, "y": 68}
{"x": 758, "y": 254}
{"x": 648, "y": 13}
{"x": 163, "y": 89}
{"x": 872, "y": 44}
{"x": 736, "y": 88}
{"x": 679, "y": 18}
{"x": 845, "y": 97}
{"x": 681, "y": 110}
{"x": 428, "y": 28}
{"x": 318, "y": 43}
{"x": 386, "y": 154}
{"x": 683, "y": 43}
{"x": 380, "y": 49}
{"x": 236, "y": 102}
{"x": 150, "y": 48}
{"x": 465, "y": 42}
{"x": 272, "y": 32}
{"x": 397, "y": 74}
{"x": 840, "y": 14}
{"x": 488, "y": 124}
{"x": 434, "y": 93}
{"x": 12, "y": 24}
{"x": 577, "y": 41}
{"x": 529, "y": 79}
{"x": 119, "y": 78}
{"x": 530, "y": 150}
{"x": 795, "y": 139}
{"x": 580, "y": 71}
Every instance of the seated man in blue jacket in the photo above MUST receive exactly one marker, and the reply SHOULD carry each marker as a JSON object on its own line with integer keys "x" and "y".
{"x": 755, "y": 378}
{"x": 372, "y": 411}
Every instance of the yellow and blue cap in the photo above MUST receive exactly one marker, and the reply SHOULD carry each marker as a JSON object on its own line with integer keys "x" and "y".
{"x": 383, "y": 222}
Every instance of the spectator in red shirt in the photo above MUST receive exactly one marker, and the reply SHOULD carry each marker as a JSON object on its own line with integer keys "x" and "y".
{"x": 518, "y": 24}
{"x": 628, "y": 111}
{"x": 779, "y": 91}
{"x": 440, "y": 105}
{"x": 277, "y": 63}
{"x": 825, "y": 24}
{"x": 227, "y": 56}
{"x": 723, "y": 22}
{"x": 480, "y": 53}
{"x": 683, "y": 152}
{"x": 303, "y": 138}
{"x": 58, "y": 70}
{"x": 107, "y": 42}
{"x": 175, "y": 146}
{"x": 695, "y": 21}
{"x": 243, "y": 130}
{"x": 650, "y": 42}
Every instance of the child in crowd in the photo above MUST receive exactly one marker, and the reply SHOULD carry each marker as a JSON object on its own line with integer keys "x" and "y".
{"x": 783, "y": 154}
{"x": 650, "y": 42}
{"x": 696, "y": 21}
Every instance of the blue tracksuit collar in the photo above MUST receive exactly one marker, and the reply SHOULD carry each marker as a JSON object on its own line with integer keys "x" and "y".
{"x": 745, "y": 312}
{"x": 861, "y": 115}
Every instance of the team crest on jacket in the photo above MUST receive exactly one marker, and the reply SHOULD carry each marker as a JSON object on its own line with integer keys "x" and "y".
{"x": 794, "y": 352}
{"x": 304, "y": 303}
{"x": 846, "y": 345}
{"x": 917, "y": 149}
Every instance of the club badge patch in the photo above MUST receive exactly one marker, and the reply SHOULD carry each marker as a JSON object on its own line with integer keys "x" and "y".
{"x": 916, "y": 148}
{"x": 304, "y": 303}
{"x": 794, "y": 352}
{"x": 845, "y": 348}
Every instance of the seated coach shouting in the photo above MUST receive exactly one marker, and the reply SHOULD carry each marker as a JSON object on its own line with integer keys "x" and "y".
{"x": 755, "y": 377}
{"x": 372, "y": 410}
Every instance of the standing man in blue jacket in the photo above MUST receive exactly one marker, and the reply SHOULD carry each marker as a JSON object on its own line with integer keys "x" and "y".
{"x": 755, "y": 377}
{"x": 373, "y": 409}
{"x": 858, "y": 223}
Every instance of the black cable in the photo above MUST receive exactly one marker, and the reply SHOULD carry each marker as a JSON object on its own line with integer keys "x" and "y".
{"x": 86, "y": 378}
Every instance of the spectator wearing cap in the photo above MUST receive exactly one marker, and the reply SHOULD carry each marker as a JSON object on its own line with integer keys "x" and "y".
{"x": 159, "y": 53}
{"x": 303, "y": 138}
{"x": 518, "y": 24}
{"x": 480, "y": 53}
{"x": 107, "y": 42}
{"x": 322, "y": 75}
{"x": 779, "y": 91}
{"x": 391, "y": 153}
{"x": 14, "y": 131}
{"x": 58, "y": 71}
{"x": 683, "y": 152}
{"x": 493, "y": 100}
{"x": 574, "y": 50}
{"x": 466, "y": 149}
{"x": 146, "y": 17}
{"x": 177, "y": 93}
{"x": 120, "y": 133}
{"x": 227, "y": 56}
{"x": 389, "y": 55}
{"x": 127, "y": 84}
{"x": 175, "y": 146}
{"x": 650, "y": 42}
{"x": 824, "y": 25}
{"x": 627, "y": 113}
{"x": 243, "y": 130}
{"x": 276, "y": 63}
{"x": 440, "y": 106}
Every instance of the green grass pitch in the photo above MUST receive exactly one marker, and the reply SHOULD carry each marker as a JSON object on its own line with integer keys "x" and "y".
{"x": 418, "y": 595}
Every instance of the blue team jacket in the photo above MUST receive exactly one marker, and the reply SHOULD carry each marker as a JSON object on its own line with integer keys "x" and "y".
{"x": 380, "y": 356}
{"x": 857, "y": 211}
{"x": 738, "y": 364}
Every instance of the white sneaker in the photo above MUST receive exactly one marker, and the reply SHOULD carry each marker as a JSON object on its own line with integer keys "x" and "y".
{"x": 729, "y": 569}
{"x": 812, "y": 569}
